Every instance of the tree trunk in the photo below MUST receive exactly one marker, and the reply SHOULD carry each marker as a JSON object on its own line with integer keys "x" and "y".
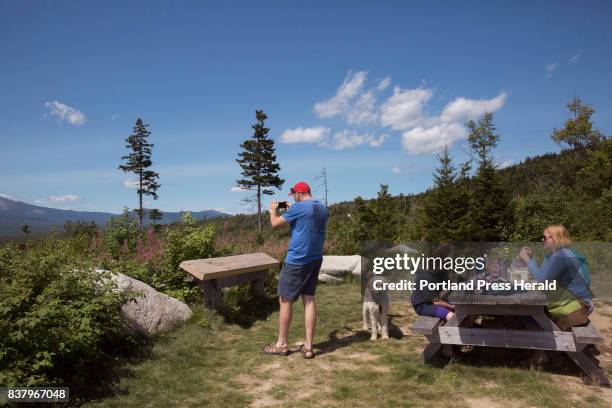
{"x": 259, "y": 234}
{"x": 140, "y": 198}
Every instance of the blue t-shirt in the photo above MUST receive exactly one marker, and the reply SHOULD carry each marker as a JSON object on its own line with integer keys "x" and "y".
{"x": 565, "y": 267}
{"x": 308, "y": 220}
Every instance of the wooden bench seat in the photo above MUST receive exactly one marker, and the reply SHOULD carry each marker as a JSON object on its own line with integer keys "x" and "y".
{"x": 426, "y": 325}
{"x": 587, "y": 334}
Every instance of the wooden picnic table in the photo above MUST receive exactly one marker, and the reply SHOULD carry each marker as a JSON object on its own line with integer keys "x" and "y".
{"x": 213, "y": 274}
{"x": 533, "y": 304}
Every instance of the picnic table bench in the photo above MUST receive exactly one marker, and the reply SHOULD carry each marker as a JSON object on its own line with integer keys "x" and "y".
{"x": 213, "y": 274}
{"x": 531, "y": 303}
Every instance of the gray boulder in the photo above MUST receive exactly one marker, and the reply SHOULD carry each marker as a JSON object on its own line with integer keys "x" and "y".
{"x": 335, "y": 266}
{"x": 323, "y": 277}
{"x": 149, "y": 311}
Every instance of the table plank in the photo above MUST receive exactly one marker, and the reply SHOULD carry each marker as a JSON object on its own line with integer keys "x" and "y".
{"x": 213, "y": 268}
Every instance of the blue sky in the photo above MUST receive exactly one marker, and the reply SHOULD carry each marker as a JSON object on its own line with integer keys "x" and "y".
{"x": 370, "y": 90}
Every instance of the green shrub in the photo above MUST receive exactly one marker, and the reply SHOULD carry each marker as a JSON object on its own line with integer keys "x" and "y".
{"x": 183, "y": 242}
{"x": 121, "y": 235}
{"x": 58, "y": 317}
{"x": 190, "y": 242}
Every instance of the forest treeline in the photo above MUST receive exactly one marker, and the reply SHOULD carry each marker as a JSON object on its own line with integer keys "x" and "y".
{"x": 477, "y": 201}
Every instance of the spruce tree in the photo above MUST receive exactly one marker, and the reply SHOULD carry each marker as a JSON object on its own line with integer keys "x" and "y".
{"x": 386, "y": 225}
{"x": 445, "y": 214}
{"x": 489, "y": 206}
{"x": 259, "y": 166}
{"x": 138, "y": 162}
{"x": 155, "y": 215}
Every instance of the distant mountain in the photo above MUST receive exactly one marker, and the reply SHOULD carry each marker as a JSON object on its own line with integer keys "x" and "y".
{"x": 14, "y": 214}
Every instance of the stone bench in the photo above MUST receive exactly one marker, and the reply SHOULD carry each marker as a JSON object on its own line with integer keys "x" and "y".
{"x": 213, "y": 274}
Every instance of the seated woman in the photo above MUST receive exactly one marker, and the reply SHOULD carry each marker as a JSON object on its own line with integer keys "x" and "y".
{"x": 572, "y": 302}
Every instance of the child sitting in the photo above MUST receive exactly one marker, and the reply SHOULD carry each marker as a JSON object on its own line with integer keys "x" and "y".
{"x": 428, "y": 302}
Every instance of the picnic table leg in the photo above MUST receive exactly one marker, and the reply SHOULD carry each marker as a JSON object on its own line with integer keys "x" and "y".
{"x": 434, "y": 346}
{"x": 213, "y": 299}
{"x": 595, "y": 373}
{"x": 584, "y": 362}
{"x": 258, "y": 286}
{"x": 430, "y": 351}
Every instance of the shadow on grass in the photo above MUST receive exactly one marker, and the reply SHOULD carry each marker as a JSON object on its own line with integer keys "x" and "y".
{"x": 394, "y": 331}
{"x": 334, "y": 342}
{"x": 246, "y": 310}
{"x": 105, "y": 377}
{"x": 558, "y": 362}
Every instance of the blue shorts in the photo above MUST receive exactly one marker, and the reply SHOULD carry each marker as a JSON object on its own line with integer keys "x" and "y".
{"x": 296, "y": 280}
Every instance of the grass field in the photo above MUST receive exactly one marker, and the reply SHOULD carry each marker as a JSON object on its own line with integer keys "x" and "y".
{"x": 210, "y": 363}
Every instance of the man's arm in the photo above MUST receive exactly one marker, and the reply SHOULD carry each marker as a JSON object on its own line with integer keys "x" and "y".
{"x": 276, "y": 220}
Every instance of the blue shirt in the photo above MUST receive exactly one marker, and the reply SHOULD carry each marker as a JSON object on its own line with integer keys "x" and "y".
{"x": 565, "y": 267}
{"x": 308, "y": 220}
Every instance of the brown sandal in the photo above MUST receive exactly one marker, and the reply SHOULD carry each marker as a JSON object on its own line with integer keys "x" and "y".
{"x": 307, "y": 353}
{"x": 272, "y": 349}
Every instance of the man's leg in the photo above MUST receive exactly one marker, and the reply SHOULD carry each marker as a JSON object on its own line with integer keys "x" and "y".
{"x": 310, "y": 318}
{"x": 284, "y": 321}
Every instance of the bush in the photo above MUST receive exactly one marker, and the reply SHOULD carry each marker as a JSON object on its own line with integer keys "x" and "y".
{"x": 58, "y": 318}
{"x": 190, "y": 242}
{"x": 121, "y": 235}
{"x": 156, "y": 262}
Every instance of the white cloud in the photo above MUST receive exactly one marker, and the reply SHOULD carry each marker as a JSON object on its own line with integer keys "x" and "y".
{"x": 304, "y": 135}
{"x": 114, "y": 116}
{"x": 64, "y": 198}
{"x": 362, "y": 111}
{"x": 396, "y": 169}
{"x": 237, "y": 189}
{"x": 575, "y": 57}
{"x": 337, "y": 104}
{"x": 130, "y": 183}
{"x": 351, "y": 101}
{"x": 6, "y": 196}
{"x": 506, "y": 163}
{"x": 432, "y": 139}
{"x": 462, "y": 109}
{"x": 550, "y": 68}
{"x": 384, "y": 83}
{"x": 404, "y": 109}
{"x": 348, "y": 139}
{"x": 59, "y": 200}
{"x": 66, "y": 113}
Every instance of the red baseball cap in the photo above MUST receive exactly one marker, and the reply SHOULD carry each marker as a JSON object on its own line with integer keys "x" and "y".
{"x": 300, "y": 187}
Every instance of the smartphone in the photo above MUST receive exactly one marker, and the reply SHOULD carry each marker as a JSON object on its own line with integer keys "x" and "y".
{"x": 282, "y": 205}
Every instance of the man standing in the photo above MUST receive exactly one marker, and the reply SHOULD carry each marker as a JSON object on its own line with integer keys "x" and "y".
{"x": 308, "y": 219}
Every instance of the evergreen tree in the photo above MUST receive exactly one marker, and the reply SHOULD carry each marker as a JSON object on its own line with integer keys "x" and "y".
{"x": 386, "y": 227}
{"x": 259, "y": 166}
{"x": 578, "y": 132}
{"x": 138, "y": 162}
{"x": 445, "y": 214}
{"x": 489, "y": 204}
{"x": 155, "y": 215}
{"x": 380, "y": 219}
{"x": 25, "y": 228}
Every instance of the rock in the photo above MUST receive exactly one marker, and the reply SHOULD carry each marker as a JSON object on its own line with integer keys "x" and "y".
{"x": 323, "y": 277}
{"x": 150, "y": 311}
{"x": 341, "y": 265}
{"x": 402, "y": 249}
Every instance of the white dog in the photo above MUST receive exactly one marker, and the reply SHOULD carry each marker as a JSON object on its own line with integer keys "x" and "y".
{"x": 375, "y": 311}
